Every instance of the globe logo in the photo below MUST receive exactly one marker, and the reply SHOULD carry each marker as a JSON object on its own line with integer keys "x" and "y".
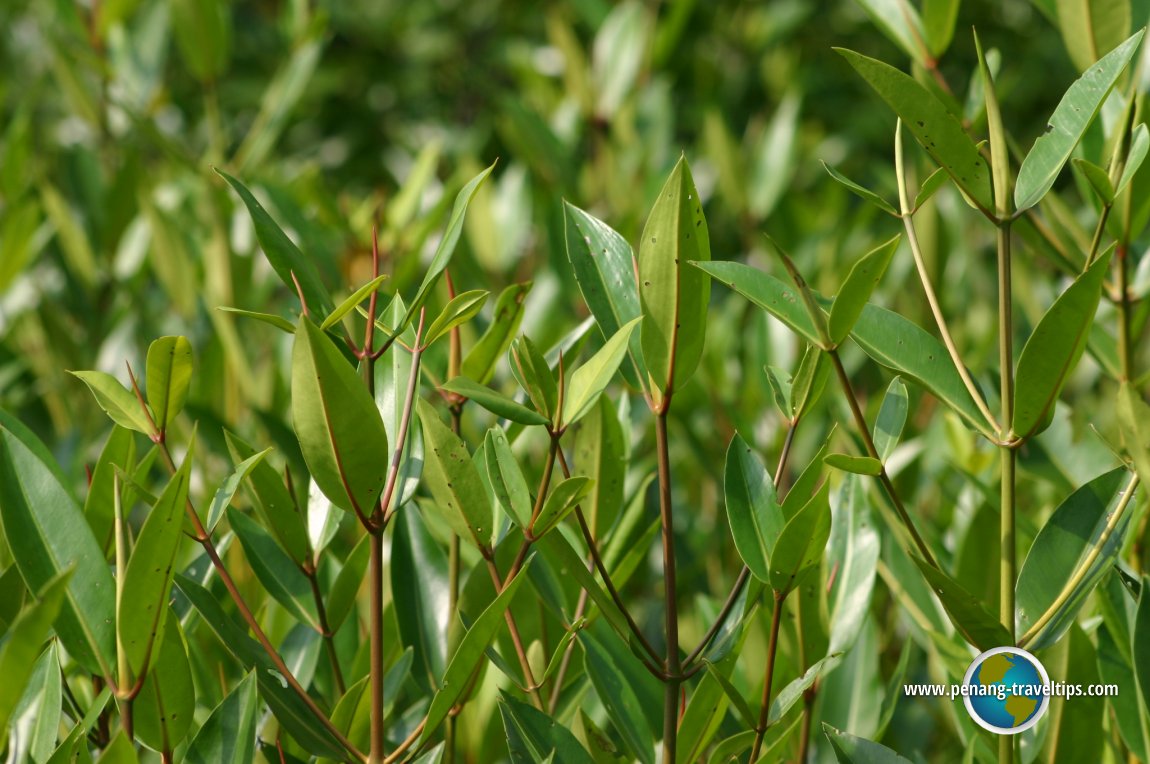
{"x": 1005, "y": 690}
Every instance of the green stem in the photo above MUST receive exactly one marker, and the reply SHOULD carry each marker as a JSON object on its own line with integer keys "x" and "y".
{"x": 325, "y": 631}
{"x": 1008, "y": 568}
{"x": 769, "y": 674}
{"x": 672, "y": 666}
{"x": 378, "y": 735}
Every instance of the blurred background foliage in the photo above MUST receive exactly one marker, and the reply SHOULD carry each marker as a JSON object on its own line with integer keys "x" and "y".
{"x": 342, "y": 113}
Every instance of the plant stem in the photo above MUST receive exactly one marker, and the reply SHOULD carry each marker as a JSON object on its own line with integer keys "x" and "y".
{"x": 672, "y": 665}
{"x": 872, "y": 451}
{"x": 769, "y": 674}
{"x": 1008, "y": 456}
{"x": 1125, "y": 349}
{"x": 532, "y": 687}
{"x": 378, "y": 735}
{"x": 325, "y": 631}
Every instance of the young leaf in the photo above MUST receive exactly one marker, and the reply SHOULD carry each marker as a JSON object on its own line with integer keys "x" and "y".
{"x": 227, "y": 490}
{"x": 562, "y": 500}
{"x": 229, "y": 734}
{"x": 1083, "y": 530}
{"x": 534, "y": 375}
{"x": 277, "y": 321}
{"x": 794, "y": 690}
{"x": 1053, "y": 350}
{"x": 47, "y": 535}
{"x": 506, "y": 478}
{"x": 1068, "y": 124}
{"x": 1139, "y": 145}
{"x": 673, "y": 296}
{"x": 753, "y": 510}
{"x": 861, "y": 191}
{"x": 454, "y": 482}
{"x": 856, "y": 290}
{"x": 604, "y": 266}
{"x": 148, "y": 578}
{"x": 284, "y": 256}
{"x": 353, "y": 300}
{"x": 462, "y": 308}
{"x": 169, "y": 373}
{"x": 338, "y": 426}
{"x": 891, "y": 418}
{"x": 858, "y": 465}
{"x": 470, "y": 652}
{"x": 494, "y": 401}
{"x": 932, "y": 125}
{"x": 776, "y": 297}
{"x": 479, "y": 363}
{"x": 1098, "y": 179}
{"x": 929, "y": 187}
{"x": 800, "y": 545}
{"x": 446, "y": 246}
{"x": 116, "y": 400}
{"x": 589, "y": 380}
{"x": 809, "y": 382}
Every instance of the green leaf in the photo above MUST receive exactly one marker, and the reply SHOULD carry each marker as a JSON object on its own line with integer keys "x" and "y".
{"x": 860, "y": 282}
{"x": 800, "y": 545}
{"x": 938, "y": 20}
{"x": 353, "y": 300}
{"x": 1082, "y": 530}
{"x": 600, "y": 454}
{"x": 446, "y": 246}
{"x": 1091, "y": 28}
{"x": 619, "y": 696}
{"x": 853, "y": 550}
{"x": 275, "y": 506}
{"x": 341, "y": 598}
{"x": 672, "y": 296}
{"x": 461, "y": 309}
{"x": 279, "y": 575}
{"x": 563, "y": 499}
{"x": 22, "y": 643}
{"x": 1098, "y": 179}
{"x": 40, "y": 709}
{"x": 1139, "y": 145}
{"x": 776, "y": 297}
{"x": 809, "y": 382}
{"x": 933, "y": 126}
{"x": 856, "y": 750}
{"x": 859, "y": 465}
{"x": 1053, "y": 351}
{"x": 163, "y": 711}
{"x": 229, "y": 734}
{"x": 794, "y": 690}
{"x": 534, "y": 375}
{"x": 148, "y": 578}
{"x": 338, "y": 426}
{"x": 494, "y": 401}
{"x": 291, "y": 712}
{"x": 1134, "y": 424}
{"x": 861, "y": 191}
{"x": 454, "y": 482}
{"x": 589, "y": 380}
{"x": 506, "y": 477}
{"x": 891, "y": 418}
{"x": 901, "y": 24}
{"x": 116, "y": 400}
{"x": 203, "y": 33}
{"x": 605, "y": 266}
{"x": 276, "y": 321}
{"x": 479, "y": 363}
{"x": 753, "y": 510}
{"x": 929, "y": 187}
{"x": 1068, "y": 124}
{"x": 227, "y": 490}
{"x": 169, "y": 373}
{"x": 1140, "y": 641}
{"x": 967, "y": 612}
{"x": 99, "y": 505}
{"x": 999, "y": 154}
{"x": 47, "y": 535}
{"x": 392, "y": 380}
{"x": 421, "y": 591}
{"x": 284, "y": 256}
{"x": 533, "y": 736}
{"x": 1073, "y": 723}
{"x": 470, "y": 652}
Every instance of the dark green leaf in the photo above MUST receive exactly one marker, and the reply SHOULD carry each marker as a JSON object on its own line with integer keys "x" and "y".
{"x": 800, "y": 545}
{"x": 1140, "y": 641}
{"x": 753, "y": 510}
{"x": 533, "y": 736}
{"x": 859, "y": 465}
{"x": 856, "y": 290}
{"x": 279, "y": 575}
{"x": 494, "y": 401}
{"x": 534, "y": 375}
{"x": 276, "y": 507}
{"x": 1098, "y": 179}
{"x": 506, "y": 478}
{"x": 276, "y": 321}
{"x": 619, "y": 697}
{"x": 776, "y": 297}
{"x": 229, "y": 734}
{"x": 856, "y": 750}
{"x": 967, "y": 612}
{"x": 163, "y": 711}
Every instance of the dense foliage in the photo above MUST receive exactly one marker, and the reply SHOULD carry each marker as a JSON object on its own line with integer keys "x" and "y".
{"x": 390, "y": 381}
